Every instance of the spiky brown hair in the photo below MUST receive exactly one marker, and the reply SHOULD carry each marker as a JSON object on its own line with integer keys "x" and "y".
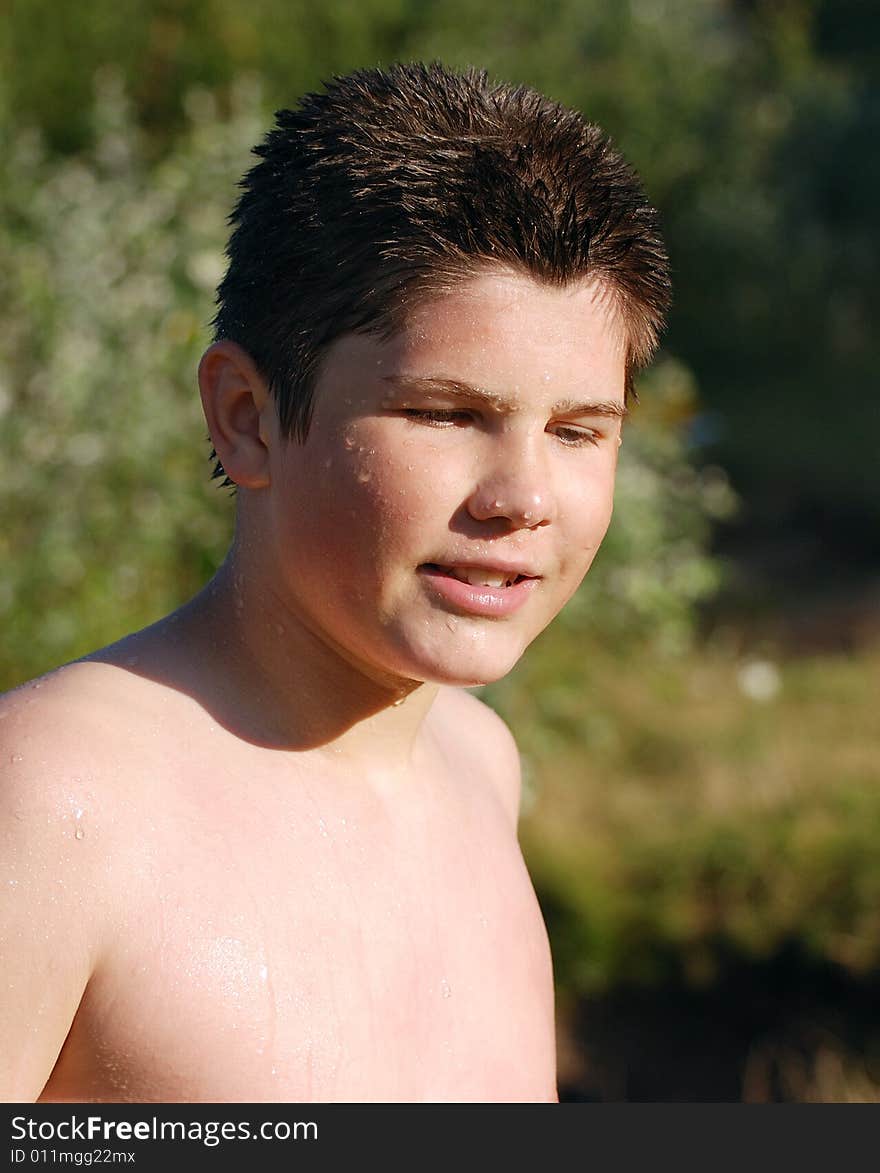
{"x": 392, "y": 185}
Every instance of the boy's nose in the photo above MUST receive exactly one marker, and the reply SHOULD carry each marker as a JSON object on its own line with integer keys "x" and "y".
{"x": 515, "y": 487}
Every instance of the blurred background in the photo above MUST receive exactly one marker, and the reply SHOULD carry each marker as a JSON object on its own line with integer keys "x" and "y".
{"x": 700, "y": 728}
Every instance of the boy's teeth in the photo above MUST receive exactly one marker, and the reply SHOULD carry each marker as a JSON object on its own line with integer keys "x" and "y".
{"x": 478, "y": 577}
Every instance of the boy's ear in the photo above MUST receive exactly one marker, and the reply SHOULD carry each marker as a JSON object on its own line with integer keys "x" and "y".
{"x": 237, "y": 404}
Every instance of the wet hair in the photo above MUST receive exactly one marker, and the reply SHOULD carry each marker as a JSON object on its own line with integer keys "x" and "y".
{"x": 394, "y": 185}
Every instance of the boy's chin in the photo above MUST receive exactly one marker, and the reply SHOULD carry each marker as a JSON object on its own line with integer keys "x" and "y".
{"x": 477, "y": 671}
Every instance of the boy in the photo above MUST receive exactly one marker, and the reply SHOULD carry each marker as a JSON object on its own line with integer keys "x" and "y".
{"x": 266, "y": 848}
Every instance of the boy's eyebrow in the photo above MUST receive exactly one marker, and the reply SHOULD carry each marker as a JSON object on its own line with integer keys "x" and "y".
{"x": 456, "y": 387}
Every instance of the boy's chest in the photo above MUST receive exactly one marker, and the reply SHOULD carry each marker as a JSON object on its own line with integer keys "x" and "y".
{"x": 327, "y": 956}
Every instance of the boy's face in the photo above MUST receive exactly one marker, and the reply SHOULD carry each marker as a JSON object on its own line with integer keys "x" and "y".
{"x": 467, "y": 447}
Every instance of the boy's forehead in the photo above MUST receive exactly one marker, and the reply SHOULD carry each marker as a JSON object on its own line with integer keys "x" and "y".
{"x": 511, "y": 325}
{"x": 501, "y": 338}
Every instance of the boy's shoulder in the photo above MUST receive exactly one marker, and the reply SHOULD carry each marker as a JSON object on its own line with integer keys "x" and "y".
{"x": 72, "y": 741}
{"x": 58, "y": 734}
{"x": 60, "y": 712}
{"x": 475, "y": 737}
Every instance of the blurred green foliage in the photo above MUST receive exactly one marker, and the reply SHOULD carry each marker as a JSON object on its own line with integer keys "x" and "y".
{"x": 678, "y": 821}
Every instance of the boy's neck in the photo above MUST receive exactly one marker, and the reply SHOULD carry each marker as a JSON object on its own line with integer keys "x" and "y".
{"x": 290, "y": 689}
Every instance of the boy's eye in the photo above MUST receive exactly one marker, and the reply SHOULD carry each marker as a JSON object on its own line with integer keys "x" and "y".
{"x": 437, "y": 417}
{"x": 577, "y": 437}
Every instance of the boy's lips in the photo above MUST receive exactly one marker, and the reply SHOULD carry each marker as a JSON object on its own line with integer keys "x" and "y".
{"x": 493, "y": 589}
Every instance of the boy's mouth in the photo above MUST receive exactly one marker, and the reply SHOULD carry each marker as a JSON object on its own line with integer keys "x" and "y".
{"x": 479, "y": 576}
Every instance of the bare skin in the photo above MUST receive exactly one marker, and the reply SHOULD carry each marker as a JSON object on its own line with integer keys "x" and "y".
{"x": 238, "y": 923}
{"x": 266, "y": 849}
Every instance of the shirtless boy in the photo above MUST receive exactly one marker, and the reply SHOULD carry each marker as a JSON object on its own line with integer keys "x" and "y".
{"x": 265, "y": 850}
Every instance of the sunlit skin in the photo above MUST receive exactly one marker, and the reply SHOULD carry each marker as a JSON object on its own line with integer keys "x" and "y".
{"x": 272, "y": 840}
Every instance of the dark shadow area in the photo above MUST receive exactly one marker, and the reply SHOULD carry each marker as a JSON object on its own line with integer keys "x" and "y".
{"x": 764, "y": 1033}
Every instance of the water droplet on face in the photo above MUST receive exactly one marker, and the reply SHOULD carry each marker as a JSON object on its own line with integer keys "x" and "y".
{"x": 445, "y": 989}
{"x": 16, "y": 757}
{"x": 399, "y": 701}
{"x": 363, "y": 476}
{"x": 79, "y": 833}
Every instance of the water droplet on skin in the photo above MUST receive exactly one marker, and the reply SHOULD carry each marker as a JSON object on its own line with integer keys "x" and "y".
{"x": 79, "y": 833}
{"x": 16, "y": 757}
{"x": 451, "y": 622}
{"x": 445, "y": 989}
{"x": 12, "y": 883}
{"x": 363, "y": 476}
{"x": 399, "y": 701}
{"x": 323, "y": 827}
